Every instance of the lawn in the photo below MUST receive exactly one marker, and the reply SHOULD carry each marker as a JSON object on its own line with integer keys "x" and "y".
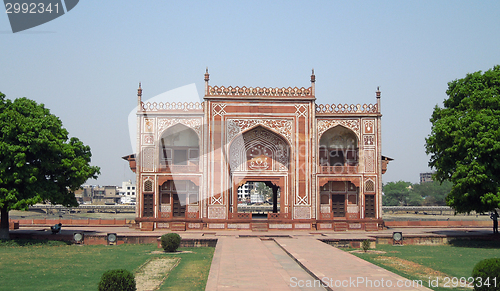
{"x": 57, "y": 266}
{"x": 455, "y": 260}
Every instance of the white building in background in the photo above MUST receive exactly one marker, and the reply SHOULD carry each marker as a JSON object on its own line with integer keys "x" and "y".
{"x": 127, "y": 193}
{"x": 244, "y": 192}
{"x": 256, "y": 197}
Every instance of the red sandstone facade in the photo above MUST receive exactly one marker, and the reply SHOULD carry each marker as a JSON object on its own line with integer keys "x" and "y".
{"x": 322, "y": 162}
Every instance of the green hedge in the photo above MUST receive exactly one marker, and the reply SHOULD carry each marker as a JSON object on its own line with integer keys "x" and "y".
{"x": 486, "y": 275}
{"x": 170, "y": 242}
{"x": 117, "y": 280}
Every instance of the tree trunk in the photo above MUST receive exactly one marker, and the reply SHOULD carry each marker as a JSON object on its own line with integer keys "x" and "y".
{"x": 4, "y": 227}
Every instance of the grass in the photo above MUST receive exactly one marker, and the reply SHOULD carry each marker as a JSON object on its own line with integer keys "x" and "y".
{"x": 454, "y": 260}
{"x": 192, "y": 271}
{"x": 46, "y": 265}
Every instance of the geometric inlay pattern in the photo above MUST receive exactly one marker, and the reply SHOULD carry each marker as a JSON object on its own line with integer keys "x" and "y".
{"x": 302, "y": 110}
{"x": 370, "y": 161}
{"x": 216, "y": 212}
{"x": 302, "y": 213}
{"x": 148, "y": 157}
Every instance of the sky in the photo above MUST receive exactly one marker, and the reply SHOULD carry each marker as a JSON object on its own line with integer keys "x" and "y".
{"x": 85, "y": 66}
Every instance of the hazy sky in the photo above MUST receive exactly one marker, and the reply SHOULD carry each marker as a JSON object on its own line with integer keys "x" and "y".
{"x": 86, "y": 65}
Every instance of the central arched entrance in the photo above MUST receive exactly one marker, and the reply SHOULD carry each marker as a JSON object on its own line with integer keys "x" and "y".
{"x": 259, "y": 170}
{"x": 259, "y": 198}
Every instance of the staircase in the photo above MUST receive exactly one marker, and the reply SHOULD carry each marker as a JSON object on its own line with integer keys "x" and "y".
{"x": 259, "y": 226}
{"x": 371, "y": 226}
{"x": 340, "y": 226}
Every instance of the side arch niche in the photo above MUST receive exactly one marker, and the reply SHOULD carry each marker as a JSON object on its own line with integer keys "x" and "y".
{"x": 338, "y": 151}
{"x": 179, "y": 149}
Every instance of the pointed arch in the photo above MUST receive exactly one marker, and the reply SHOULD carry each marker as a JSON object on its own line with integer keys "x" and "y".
{"x": 338, "y": 147}
{"x": 259, "y": 149}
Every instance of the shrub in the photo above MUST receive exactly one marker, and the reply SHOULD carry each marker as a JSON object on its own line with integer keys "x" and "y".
{"x": 489, "y": 272}
{"x": 117, "y": 280}
{"x": 170, "y": 242}
{"x": 365, "y": 245}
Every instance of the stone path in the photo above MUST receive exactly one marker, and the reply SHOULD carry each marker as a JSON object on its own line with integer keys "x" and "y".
{"x": 255, "y": 264}
{"x": 252, "y": 264}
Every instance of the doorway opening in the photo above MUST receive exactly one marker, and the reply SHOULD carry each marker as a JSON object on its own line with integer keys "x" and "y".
{"x": 259, "y": 198}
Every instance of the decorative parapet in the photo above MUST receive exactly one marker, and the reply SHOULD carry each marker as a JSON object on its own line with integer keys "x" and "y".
{"x": 257, "y": 91}
{"x": 171, "y": 106}
{"x": 346, "y": 108}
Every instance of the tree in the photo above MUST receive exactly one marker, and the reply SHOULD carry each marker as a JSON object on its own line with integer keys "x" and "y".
{"x": 262, "y": 189}
{"x": 38, "y": 163}
{"x": 433, "y": 193}
{"x": 464, "y": 143}
{"x": 400, "y": 194}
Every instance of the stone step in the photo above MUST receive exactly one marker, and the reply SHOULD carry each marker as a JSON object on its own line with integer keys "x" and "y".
{"x": 259, "y": 227}
{"x": 340, "y": 226}
{"x": 178, "y": 226}
{"x": 371, "y": 226}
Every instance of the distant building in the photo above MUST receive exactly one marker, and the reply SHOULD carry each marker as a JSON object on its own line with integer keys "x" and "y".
{"x": 127, "y": 193}
{"x": 105, "y": 195}
{"x": 244, "y": 192}
{"x": 426, "y": 177}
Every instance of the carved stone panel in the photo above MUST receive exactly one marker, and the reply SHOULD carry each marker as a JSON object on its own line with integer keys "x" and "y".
{"x": 216, "y": 212}
{"x": 326, "y": 124}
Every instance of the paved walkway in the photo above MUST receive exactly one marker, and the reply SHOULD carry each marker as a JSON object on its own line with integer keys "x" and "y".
{"x": 254, "y": 264}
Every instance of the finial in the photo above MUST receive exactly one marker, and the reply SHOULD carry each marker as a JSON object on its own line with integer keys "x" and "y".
{"x": 207, "y": 75}
{"x": 139, "y": 96}
{"x": 313, "y": 77}
{"x": 378, "y": 92}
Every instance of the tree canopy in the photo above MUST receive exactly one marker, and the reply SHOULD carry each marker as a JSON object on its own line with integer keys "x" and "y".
{"x": 38, "y": 162}
{"x": 400, "y": 194}
{"x": 464, "y": 144}
{"x": 403, "y": 193}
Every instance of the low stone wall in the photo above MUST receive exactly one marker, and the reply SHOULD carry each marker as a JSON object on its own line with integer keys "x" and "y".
{"x": 348, "y": 243}
{"x": 438, "y": 223}
{"x": 73, "y": 222}
{"x": 90, "y": 238}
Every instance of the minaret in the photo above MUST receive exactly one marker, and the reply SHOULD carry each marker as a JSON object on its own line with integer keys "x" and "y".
{"x": 313, "y": 81}
{"x": 139, "y": 97}
{"x": 207, "y": 77}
